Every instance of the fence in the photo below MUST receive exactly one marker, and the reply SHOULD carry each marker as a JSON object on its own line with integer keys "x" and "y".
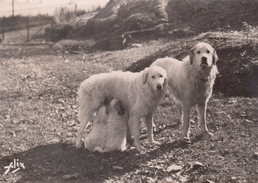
{"x": 24, "y": 29}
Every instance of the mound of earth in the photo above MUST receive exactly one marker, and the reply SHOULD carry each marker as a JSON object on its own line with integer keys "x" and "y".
{"x": 125, "y": 15}
{"x": 238, "y": 69}
{"x": 238, "y": 62}
{"x": 122, "y": 16}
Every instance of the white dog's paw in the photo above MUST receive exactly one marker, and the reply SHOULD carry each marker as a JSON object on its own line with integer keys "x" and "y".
{"x": 100, "y": 150}
{"x": 206, "y": 132}
{"x": 156, "y": 142}
{"x": 138, "y": 146}
{"x": 209, "y": 134}
{"x": 78, "y": 143}
{"x": 186, "y": 140}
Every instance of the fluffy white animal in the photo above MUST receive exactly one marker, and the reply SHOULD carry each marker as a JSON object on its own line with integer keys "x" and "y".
{"x": 139, "y": 94}
{"x": 191, "y": 82}
{"x": 109, "y": 129}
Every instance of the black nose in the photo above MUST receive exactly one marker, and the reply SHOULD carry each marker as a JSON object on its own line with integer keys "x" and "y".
{"x": 204, "y": 60}
{"x": 159, "y": 87}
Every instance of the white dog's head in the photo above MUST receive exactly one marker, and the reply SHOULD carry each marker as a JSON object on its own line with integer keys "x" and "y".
{"x": 117, "y": 126}
{"x": 101, "y": 116}
{"x": 156, "y": 77}
{"x": 203, "y": 55}
{"x": 115, "y": 107}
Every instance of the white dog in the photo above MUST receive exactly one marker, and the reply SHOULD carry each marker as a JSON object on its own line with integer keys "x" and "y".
{"x": 191, "y": 82}
{"x": 139, "y": 94}
{"x": 109, "y": 129}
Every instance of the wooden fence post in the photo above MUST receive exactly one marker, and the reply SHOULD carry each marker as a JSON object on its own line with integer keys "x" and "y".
{"x": 52, "y": 27}
{"x": 13, "y": 7}
{"x": 28, "y": 30}
{"x": 3, "y": 28}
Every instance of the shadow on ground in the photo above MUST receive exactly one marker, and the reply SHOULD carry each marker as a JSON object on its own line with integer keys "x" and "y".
{"x": 56, "y": 162}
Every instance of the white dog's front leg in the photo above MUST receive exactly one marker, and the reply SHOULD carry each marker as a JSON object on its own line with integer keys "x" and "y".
{"x": 149, "y": 123}
{"x": 134, "y": 125}
{"x": 202, "y": 116}
{"x": 186, "y": 121}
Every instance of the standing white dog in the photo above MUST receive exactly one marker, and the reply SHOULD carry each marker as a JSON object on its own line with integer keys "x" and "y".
{"x": 109, "y": 128}
{"x": 139, "y": 94}
{"x": 191, "y": 82}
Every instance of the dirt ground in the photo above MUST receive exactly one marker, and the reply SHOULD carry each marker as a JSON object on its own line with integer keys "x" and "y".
{"x": 38, "y": 126}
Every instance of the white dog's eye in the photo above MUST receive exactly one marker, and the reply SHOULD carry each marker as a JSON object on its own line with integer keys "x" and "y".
{"x": 160, "y": 75}
{"x": 208, "y": 51}
{"x": 153, "y": 77}
{"x": 198, "y": 52}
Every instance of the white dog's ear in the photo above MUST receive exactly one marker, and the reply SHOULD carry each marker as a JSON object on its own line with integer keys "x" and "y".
{"x": 145, "y": 75}
{"x": 214, "y": 57}
{"x": 191, "y": 55}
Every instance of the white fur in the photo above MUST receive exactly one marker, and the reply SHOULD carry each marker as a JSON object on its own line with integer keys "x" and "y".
{"x": 109, "y": 130}
{"x": 137, "y": 92}
{"x": 191, "y": 82}
{"x": 96, "y": 139}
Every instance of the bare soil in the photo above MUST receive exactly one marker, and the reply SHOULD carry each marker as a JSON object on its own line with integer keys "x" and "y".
{"x": 39, "y": 122}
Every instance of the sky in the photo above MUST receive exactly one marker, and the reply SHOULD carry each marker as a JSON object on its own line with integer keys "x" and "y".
{"x": 35, "y": 7}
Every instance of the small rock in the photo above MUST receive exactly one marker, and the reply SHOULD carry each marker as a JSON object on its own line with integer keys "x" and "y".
{"x": 68, "y": 176}
{"x": 192, "y": 121}
{"x": 117, "y": 168}
{"x": 161, "y": 161}
{"x": 234, "y": 178}
{"x": 169, "y": 179}
{"x": 132, "y": 148}
{"x": 16, "y": 121}
{"x": 197, "y": 165}
{"x": 150, "y": 179}
{"x": 158, "y": 167}
{"x": 136, "y": 45}
{"x": 242, "y": 134}
{"x": 71, "y": 123}
{"x": 174, "y": 168}
{"x": 248, "y": 121}
{"x": 255, "y": 155}
{"x": 182, "y": 179}
{"x": 243, "y": 114}
{"x": 209, "y": 181}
